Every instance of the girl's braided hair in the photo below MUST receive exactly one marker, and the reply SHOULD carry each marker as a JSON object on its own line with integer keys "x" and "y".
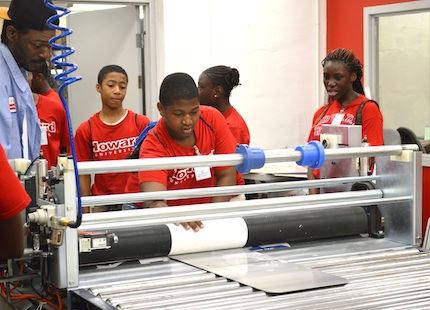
{"x": 352, "y": 62}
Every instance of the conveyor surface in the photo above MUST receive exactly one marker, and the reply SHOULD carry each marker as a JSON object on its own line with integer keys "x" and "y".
{"x": 381, "y": 275}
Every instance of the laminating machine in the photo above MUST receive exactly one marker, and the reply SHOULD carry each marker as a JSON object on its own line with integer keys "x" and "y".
{"x": 356, "y": 245}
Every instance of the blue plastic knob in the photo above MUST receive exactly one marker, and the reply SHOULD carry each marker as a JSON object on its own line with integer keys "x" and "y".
{"x": 253, "y": 158}
{"x": 312, "y": 154}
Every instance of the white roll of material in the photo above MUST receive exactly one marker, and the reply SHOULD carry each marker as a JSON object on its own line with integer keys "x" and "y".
{"x": 216, "y": 235}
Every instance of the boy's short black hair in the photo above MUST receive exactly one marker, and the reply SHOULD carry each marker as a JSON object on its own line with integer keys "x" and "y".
{"x": 177, "y": 86}
{"x": 108, "y": 69}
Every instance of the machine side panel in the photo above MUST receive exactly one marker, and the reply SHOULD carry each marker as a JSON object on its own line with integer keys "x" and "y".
{"x": 402, "y": 176}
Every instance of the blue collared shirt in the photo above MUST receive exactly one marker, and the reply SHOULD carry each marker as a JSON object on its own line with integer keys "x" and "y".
{"x": 16, "y": 102}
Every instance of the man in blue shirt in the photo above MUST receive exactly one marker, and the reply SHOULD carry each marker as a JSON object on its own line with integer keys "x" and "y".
{"x": 24, "y": 47}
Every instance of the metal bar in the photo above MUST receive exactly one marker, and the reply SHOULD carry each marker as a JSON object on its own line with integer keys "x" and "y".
{"x": 352, "y": 152}
{"x": 108, "y": 166}
{"x": 19, "y": 278}
{"x": 288, "y": 155}
{"x": 272, "y": 156}
{"x": 218, "y": 191}
{"x": 179, "y": 289}
{"x": 350, "y": 258}
{"x": 160, "y": 302}
{"x": 231, "y": 205}
{"x": 375, "y": 269}
{"x": 155, "y": 283}
{"x": 423, "y": 303}
{"x": 230, "y": 302}
{"x": 110, "y": 223}
{"x": 361, "y": 298}
{"x": 174, "y": 272}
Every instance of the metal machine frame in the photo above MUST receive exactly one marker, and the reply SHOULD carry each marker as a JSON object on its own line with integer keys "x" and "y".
{"x": 397, "y": 196}
{"x": 396, "y": 193}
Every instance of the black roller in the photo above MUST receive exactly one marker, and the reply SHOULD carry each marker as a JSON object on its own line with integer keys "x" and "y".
{"x": 142, "y": 242}
{"x": 156, "y": 240}
{"x": 301, "y": 226}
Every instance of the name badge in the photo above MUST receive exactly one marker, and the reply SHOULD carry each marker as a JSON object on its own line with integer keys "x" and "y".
{"x": 43, "y": 136}
{"x": 337, "y": 120}
{"x": 12, "y": 105}
{"x": 202, "y": 173}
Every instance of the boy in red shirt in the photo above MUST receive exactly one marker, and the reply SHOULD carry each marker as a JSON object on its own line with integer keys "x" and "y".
{"x": 186, "y": 129}
{"x": 52, "y": 116}
{"x": 109, "y": 134}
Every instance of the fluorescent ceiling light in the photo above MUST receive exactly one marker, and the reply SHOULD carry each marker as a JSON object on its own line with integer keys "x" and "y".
{"x": 76, "y": 8}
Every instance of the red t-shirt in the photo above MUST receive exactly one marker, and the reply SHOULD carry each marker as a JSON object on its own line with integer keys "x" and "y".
{"x": 13, "y": 197}
{"x": 52, "y": 117}
{"x": 237, "y": 126}
{"x": 371, "y": 120}
{"x": 240, "y": 132}
{"x": 212, "y": 137}
{"x": 53, "y": 94}
{"x": 96, "y": 140}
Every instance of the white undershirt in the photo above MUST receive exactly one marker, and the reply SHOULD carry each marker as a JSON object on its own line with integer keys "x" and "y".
{"x": 118, "y": 121}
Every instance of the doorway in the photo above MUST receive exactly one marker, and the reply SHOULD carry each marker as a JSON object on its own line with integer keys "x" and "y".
{"x": 397, "y": 63}
{"x": 118, "y": 33}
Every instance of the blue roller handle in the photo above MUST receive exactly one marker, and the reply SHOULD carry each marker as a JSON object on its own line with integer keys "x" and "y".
{"x": 253, "y": 158}
{"x": 312, "y": 154}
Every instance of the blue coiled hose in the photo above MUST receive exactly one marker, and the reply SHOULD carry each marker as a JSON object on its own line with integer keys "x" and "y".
{"x": 66, "y": 81}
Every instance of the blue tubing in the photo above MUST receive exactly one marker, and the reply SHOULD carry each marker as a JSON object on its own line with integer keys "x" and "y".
{"x": 253, "y": 158}
{"x": 312, "y": 154}
{"x": 66, "y": 80}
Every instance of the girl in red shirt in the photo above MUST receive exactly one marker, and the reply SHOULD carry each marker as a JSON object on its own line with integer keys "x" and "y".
{"x": 215, "y": 86}
{"x": 342, "y": 80}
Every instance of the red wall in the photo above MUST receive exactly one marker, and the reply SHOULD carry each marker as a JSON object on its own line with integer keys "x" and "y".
{"x": 345, "y": 23}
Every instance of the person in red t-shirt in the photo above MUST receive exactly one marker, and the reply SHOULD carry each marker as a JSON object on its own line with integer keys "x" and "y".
{"x": 13, "y": 199}
{"x": 109, "y": 134}
{"x": 53, "y": 120}
{"x": 186, "y": 129}
{"x": 342, "y": 80}
{"x": 215, "y": 86}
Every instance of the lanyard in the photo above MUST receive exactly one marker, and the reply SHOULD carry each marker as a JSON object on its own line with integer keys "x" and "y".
{"x": 196, "y": 149}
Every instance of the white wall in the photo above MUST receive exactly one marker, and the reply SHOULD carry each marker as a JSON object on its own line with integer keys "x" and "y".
{"x": 274, "y": 44}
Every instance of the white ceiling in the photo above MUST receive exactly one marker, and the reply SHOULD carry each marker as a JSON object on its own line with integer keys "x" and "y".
{"x": 76, "y": 8}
